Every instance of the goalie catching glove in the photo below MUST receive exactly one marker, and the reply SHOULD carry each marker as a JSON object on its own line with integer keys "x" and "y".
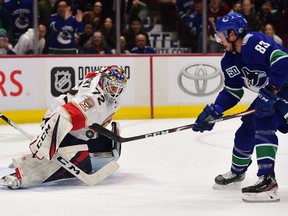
{"x": 209, "y": 113}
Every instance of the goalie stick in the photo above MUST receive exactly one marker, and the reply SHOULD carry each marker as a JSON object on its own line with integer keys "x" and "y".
{"x": 89, "y": 179}
{"x": 116, "y": 138}
{"x": 8, "y": 121}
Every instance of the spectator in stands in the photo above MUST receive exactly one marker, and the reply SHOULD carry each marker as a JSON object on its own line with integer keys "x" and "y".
{"x": 109, "y": 10}
{"x": 83, "y": 38}
{"x": 5, "y": 46}
{"x": 96, "y": 45}
{"x": 216, "y": 9}
{"x": 135, "y": 28}
{"x": 6, "y": 21}
{"x": 94, "y": 16}
{"x": 282, "y": 26}
{"x": 108, "y": 32}
{"x": 77, "y": 39}
{"x": 266, "y": 16}
{"x": 45, "y": 10}
{"x": 252, "y": 18}
{"x": 167, "y": 9}
{"x": 236, "y": 7}
{"x": 25, "y": 44}
{"x": 22, "y": 17}
{"x": 83, "y": 5}
{"x": 196, "y": 27}
{"x": 140, "y": 9}
{"x": 185, "y": 8}
{"x": 270, "y": 31}
{"x": 62, "y": 29}
{"x": 141, "y": 45}
{"x": 122, "y": 46}
{"x": 274, "y": 4}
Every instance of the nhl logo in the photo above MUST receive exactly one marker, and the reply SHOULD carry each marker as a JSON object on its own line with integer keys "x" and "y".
{"x": 62, "y": 80}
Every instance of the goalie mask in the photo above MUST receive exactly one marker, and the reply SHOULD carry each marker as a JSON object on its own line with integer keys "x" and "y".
{"x": 114, "y": 81}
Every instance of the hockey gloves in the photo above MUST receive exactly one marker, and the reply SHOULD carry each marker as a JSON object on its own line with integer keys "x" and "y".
{"x": 265, "y": 102}
{"x": 209, "y": 112}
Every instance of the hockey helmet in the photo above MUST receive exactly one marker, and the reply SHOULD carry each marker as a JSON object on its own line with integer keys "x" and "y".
{"x": 231, "y": 21}
{"x": 114, "y": 81}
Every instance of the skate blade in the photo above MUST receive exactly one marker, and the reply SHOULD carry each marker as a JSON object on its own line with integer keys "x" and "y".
{"x": 268, "y": 196}
{"x": 232, "y": 186}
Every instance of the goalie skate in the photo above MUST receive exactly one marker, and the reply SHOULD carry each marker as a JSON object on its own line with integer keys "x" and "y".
{"x": 228, "y": 180}
{"x": 264, "y": 190}
{"x": 11, "y": 181}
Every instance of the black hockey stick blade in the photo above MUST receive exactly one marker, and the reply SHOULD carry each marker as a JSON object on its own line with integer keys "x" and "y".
{"x": 115, "y": 137}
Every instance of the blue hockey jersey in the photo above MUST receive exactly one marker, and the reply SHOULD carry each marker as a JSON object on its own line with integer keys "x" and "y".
{"x": 261, "y": 62}
{"x": 21, "y": 15}
{"x": 62, "y": 39}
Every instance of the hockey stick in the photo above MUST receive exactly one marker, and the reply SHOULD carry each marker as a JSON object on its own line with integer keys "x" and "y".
{"x": 8, "y": 121}
{"x": 115, "y": 137}
{"x": 89, "y": 179}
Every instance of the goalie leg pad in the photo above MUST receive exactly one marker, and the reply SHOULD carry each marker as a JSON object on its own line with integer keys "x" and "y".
{"x": 32, "y": 171}
{"x": 50, "y": 137}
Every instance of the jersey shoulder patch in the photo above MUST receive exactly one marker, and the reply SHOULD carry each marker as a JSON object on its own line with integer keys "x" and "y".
{"x": 246, "y": 38}
{"x": 232, "y": 71}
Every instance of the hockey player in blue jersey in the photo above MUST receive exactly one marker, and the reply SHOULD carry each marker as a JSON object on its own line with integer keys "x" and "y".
{"x": 255, "y": 62}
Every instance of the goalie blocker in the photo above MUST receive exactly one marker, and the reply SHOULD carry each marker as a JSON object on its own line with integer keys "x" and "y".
{"x": 91, "y": 156}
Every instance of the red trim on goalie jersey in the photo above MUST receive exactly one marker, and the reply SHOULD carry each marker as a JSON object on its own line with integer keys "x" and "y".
{"x": 77, "y": 118}
{"x": 90, "y": 75}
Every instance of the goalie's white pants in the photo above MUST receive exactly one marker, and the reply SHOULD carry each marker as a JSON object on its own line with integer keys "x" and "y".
{"x": 33, "y": 171}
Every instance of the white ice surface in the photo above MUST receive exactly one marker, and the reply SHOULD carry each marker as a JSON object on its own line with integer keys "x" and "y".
{"x": 169, "y": 175}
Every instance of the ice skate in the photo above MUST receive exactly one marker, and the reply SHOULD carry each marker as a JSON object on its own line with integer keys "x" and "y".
{"x": 11, "y": 181}
{"x": 228, "y": 180}
{"x": 264, "y": 190}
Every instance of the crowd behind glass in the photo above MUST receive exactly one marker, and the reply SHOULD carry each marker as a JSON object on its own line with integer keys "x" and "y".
{"x": 89, "y": 27}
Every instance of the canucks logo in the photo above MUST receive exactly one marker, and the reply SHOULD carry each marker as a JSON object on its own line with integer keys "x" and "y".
{"x": 64, "y": 37}
{"x": 22, "y": 21}
{"x": 254, "y": 80}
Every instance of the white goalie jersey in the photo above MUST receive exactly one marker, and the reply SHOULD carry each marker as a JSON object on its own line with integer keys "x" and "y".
{"x": 84, "y": 105}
